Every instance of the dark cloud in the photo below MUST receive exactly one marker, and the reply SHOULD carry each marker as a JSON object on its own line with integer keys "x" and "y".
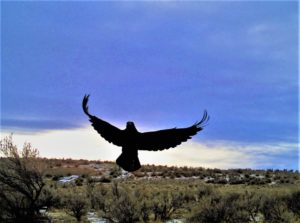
{"x": 37, "y": 125}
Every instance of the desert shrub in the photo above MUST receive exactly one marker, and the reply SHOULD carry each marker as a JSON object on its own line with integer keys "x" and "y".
{"x": 166, "y": 205}
{"x": 123, "y": 205}
{"x": 23, "y": 191}
{"x": 56, "y": 177}
{"x": 252, "y": 204}
{"x": 75, "y": 203}
{"x": 203, "y": 191}
{"x": 105, "y": 180}
{"x": 120, "y": 202}
{"x": 79, "y": 181}
{"x": 209, "y": 210}
{"x": 115, "y": 172}
{"x": 236, "y": 181}
{"x": 188, "y": 195}
{"x": 48, "y": 175}
{"x": 144, "y": 210}
{"x": 220, "y": 181}
{"x": 275, "y": 210}
{"x": 218, "y": 209}
{"x": 116, "y": 203}
{"x": 98, "y": 197}
{"x": 124, "y": 208}
{"x": 293, "y": 203}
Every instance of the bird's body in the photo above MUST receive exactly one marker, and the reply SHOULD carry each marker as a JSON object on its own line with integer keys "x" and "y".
{"x": 128, "y": 159}
{"x": 131, "y": 140}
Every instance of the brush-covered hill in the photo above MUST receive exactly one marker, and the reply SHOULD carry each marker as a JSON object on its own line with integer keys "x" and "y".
{"x": 105, "y": 171}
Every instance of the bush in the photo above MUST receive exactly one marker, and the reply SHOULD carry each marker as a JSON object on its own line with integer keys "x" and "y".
{"x": 124, "y": 209}
{"x": 217, "y": 209}
{"x": 79, "y": 181}
{"x": 252, "y": 204}
{"x": 117, "y": 204}
{"x": 56, "y": 177}
{"x": 115, "y": 172}
{"x": 166, "y": 205}
{"x": 105, "y": 180}
{"x": 293, "y": 202}
{"x": 275, "y": 210}
{"x": 22, "y": 188}
{"x": 76, "y": 203}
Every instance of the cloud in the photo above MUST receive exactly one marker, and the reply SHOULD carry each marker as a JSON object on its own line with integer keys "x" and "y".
{"x": 85, "y": 143}
{"x": 196, "y": 155}
{"x": 34, "y": 124}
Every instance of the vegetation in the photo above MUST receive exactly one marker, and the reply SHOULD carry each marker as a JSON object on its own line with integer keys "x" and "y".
{"x": 75, "y": 203}
{"x": 152, "y": 194}
{"x": 23, "y": 191}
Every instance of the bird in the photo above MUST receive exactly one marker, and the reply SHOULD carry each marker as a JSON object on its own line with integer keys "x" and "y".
{"x": 131, "y": 140}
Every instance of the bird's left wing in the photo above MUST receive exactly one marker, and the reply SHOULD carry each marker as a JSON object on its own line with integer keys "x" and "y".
{"x": 109, "y": 132}
{"x": 169, "y": 138}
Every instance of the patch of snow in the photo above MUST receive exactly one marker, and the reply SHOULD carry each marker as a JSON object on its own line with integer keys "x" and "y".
{"x": 93, "y": 218}
{"x": 68, "y": 179}
{"x": 175, "y": 221}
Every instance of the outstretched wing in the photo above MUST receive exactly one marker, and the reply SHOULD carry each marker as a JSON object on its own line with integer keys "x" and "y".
{"x": 109, "y": 132}
{"x": 169, "y": 138}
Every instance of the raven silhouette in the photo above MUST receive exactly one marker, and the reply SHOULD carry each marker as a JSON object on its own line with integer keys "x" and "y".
{"x": 131, "y": 140}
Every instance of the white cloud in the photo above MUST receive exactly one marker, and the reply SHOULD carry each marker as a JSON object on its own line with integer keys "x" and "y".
{"x": 82, "y": 143}
{"x": 196, "y": 154}
{"x": 85, "y": 143}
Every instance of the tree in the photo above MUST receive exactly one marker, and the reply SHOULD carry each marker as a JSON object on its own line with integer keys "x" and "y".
{"x": 22, "y": 189}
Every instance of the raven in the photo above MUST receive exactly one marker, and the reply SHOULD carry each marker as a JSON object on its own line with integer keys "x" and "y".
{"x": 131, "y": 140}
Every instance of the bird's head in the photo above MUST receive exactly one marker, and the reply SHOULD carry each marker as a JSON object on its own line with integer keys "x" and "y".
{"x": 130, "y": 126}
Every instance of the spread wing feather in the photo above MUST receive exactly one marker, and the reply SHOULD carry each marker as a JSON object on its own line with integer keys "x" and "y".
{"x": 109, "y": 132}
{"x": 169, "y": 138}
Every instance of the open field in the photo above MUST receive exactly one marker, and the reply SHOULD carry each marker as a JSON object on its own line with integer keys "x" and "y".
{"x": 89, "y": 190}
{"x": 34, "y": 189}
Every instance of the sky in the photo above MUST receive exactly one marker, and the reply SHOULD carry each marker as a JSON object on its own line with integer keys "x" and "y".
{"x": 159, "y": 64}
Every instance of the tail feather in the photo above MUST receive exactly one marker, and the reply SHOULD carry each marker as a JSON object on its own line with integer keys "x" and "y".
{"x": 129, "y": 162}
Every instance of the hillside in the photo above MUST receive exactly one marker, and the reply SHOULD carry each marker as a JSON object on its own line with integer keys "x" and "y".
{"x": 99, "y": 170}
{"x": 66, "y": 190}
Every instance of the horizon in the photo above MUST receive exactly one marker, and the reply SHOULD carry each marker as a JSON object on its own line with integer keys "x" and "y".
{"x": 159, "y": 64}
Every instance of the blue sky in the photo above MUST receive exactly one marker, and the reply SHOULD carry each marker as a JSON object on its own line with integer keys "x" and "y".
{"x": 159, "y": 64}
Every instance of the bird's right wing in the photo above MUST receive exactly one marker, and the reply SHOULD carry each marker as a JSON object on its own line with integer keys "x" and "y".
{"x": 169, "y": 138}
{"x": 109, "y": 132}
